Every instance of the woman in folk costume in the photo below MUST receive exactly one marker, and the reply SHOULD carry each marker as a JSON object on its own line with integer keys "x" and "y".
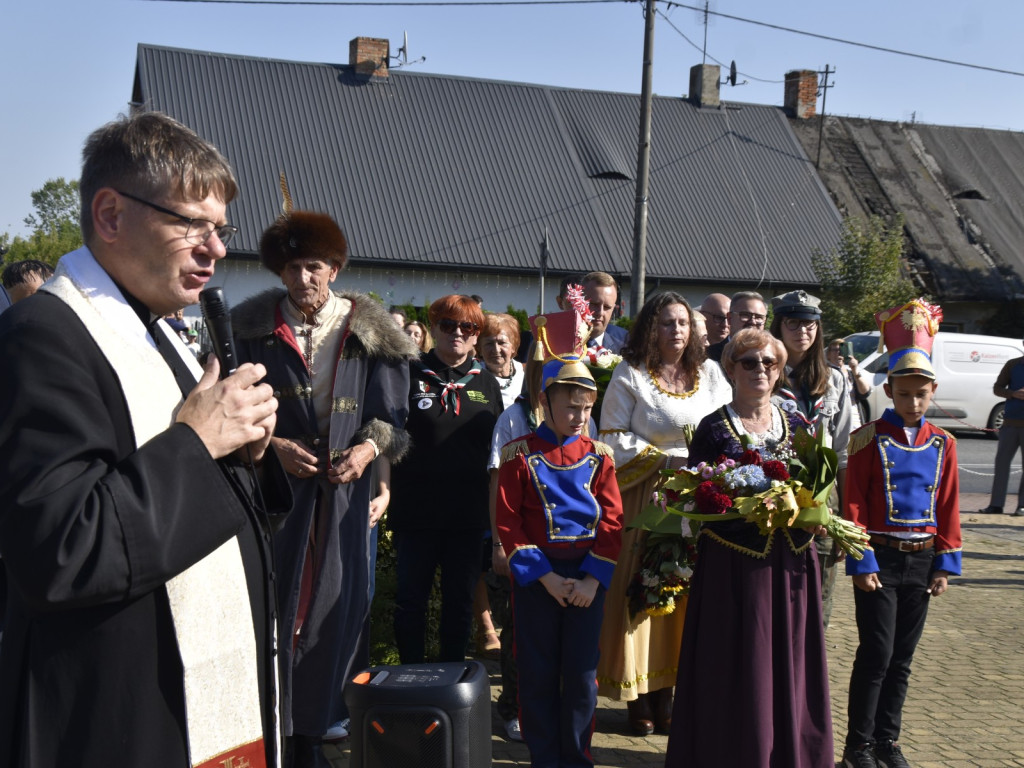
{"x": 663, "y": 386}
{"x": 752, "y": 671}
{"x": 338, "y": 364}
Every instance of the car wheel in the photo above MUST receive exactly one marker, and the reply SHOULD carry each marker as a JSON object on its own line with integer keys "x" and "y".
{"x": 995, "y": 421}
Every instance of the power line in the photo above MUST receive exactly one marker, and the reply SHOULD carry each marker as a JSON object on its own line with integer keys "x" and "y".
{"x": 719, "y": 63}
{"x": 668, "y": 3}
{"x": 883, "y": 49}
{"x": 396, "y": 3}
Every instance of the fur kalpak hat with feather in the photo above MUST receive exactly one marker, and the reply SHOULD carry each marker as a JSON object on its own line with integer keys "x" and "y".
{"x": 302, "y": 235}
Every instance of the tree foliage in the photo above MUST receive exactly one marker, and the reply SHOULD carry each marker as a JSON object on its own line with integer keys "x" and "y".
{"x": 862, "y": 275}
{"x": 56, "y": 202}
{"x": 521, "y": 317}
{"x": 54, "y": 223}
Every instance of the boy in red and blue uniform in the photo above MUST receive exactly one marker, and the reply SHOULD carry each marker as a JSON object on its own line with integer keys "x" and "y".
{"x": 902, "y": 486}
{"x": 559, "y": 517}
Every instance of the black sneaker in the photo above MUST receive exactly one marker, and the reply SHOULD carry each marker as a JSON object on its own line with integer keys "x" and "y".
{"x": 889, "y": 755}
{"x": 990, "y": 510}
{"x": 860, "y": 756}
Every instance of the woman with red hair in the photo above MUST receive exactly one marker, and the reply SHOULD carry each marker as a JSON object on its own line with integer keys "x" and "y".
{"x": 439, "y": 508}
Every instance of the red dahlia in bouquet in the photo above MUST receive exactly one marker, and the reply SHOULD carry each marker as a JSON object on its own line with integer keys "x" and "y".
{"x": 769, "y": 490}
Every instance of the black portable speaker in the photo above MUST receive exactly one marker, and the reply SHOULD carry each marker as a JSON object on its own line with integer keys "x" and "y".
{"x": 420, "y": 716}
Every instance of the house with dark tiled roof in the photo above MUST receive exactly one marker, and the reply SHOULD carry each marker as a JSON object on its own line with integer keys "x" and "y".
{"x": 449, "y": 184}
{"x": 961, "y": 192}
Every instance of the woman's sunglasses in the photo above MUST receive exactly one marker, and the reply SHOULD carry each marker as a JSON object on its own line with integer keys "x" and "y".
{"x": 751, "y": 363}
{"x": 448, "y": 325}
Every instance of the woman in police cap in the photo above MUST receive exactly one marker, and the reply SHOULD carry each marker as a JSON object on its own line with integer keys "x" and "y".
{"x": 815, "y": 391}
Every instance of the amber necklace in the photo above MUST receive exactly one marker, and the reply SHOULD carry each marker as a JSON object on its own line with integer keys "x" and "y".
{"x": 657, "y": 378}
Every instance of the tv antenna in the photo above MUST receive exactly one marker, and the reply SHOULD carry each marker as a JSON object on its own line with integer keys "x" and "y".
{"x": 402, "y": 58}
{"x": 704, "y": 53}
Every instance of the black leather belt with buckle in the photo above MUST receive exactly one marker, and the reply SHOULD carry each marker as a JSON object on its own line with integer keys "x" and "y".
{"x": 903, "y": 545}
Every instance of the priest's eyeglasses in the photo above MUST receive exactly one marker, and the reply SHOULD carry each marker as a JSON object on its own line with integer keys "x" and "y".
{"x": 199, "y": 230}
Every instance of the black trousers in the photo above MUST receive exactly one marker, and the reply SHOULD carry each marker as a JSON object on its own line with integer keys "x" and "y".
{"x": 557, "y": 654}
{"x": 304, "y": 752}
{"x": 420, "y": 554}
{"x": 889, "y": 624}
{"x": 3, "y": 597}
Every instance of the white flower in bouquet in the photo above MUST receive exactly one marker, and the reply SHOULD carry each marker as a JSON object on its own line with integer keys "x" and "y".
{"x": 605, "y": 359}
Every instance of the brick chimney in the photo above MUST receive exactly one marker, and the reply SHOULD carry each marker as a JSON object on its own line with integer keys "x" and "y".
{"x": 705, "y": 85}
{"x": 369, "y": 55}
{"x": 801, "y": 93}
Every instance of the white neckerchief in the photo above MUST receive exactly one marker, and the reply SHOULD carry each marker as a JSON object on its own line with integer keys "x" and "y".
{"x": 210, "y": 600}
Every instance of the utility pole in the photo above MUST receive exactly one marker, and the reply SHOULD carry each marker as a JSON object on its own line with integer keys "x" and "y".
{"x": 823, "y": 87}
{"x": 643, "y": 167}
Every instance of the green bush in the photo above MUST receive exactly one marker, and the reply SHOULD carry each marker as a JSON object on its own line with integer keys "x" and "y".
{"x": 383, "y": 650}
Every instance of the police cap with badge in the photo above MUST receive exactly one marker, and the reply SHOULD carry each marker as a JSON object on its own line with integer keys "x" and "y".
{"x": 798, "y": 304}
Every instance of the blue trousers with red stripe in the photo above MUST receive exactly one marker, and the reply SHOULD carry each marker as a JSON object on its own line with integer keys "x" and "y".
{"x": 556, "y": 653}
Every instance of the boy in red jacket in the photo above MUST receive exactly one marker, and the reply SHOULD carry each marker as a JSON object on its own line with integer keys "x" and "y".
{"x": 902, "y": 486}
{"x": 559, "y": 517}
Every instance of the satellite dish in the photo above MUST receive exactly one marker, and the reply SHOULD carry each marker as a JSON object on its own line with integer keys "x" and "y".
{"x": 732, "y": 73}
{"x": 403, "y": 52}
{"x": 402, "y": 58}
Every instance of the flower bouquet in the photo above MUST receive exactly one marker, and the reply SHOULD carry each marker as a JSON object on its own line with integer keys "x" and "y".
{"x": 759, "y": 488}
{"x": 664, "y": 575}
{"x": 601, "y": 364}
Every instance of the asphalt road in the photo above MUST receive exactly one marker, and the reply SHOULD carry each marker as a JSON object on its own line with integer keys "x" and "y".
{"x": 977, "y": 454}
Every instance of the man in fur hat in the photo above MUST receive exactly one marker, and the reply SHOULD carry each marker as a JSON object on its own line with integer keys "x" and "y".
{"x": 338, "y": 365}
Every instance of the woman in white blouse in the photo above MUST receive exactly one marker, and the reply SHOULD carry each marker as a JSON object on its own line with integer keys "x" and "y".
{"x": 499, "y": 342}
{"x": 663, "y": 386}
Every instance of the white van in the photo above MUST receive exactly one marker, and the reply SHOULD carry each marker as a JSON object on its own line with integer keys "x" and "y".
{"x": 966, "y": 366}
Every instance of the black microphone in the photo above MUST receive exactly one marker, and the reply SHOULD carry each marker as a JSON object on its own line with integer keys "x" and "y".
{"x": 218, "y": 325}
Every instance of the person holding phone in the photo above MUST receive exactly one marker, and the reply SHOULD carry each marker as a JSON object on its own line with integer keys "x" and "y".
{"x": 840, "y": 354}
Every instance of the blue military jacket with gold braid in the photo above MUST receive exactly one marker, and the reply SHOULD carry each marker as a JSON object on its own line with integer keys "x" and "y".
{"x": 894, "y": 487}
{"x": 559, "y": 499}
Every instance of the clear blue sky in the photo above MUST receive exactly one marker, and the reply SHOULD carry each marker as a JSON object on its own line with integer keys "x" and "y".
{"x": 68, "y": 66}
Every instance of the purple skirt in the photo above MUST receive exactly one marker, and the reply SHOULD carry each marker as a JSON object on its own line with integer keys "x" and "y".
{"x": 752, "y": 689}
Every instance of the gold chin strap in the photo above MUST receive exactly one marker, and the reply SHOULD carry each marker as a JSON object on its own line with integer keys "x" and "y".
{"x": 543, "y": 352}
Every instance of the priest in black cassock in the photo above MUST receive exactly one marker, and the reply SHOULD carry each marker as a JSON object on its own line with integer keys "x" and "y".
{"x": 140, "y": 626}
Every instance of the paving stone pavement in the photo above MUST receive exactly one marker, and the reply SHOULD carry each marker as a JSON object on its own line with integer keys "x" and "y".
{"x": 965, "y": 707}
